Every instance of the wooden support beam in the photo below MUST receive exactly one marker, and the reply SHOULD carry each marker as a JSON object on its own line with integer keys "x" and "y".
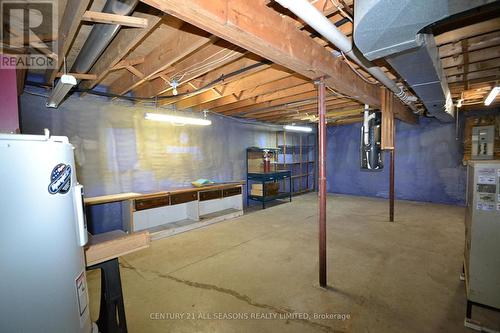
{"x": 67, "y": 30}
{"x": 176, "y": 45}
{"x": 402, "y": 112}
{"x": 121, "y": 45}
{"x": 128, "y": 62}
{"x": 135, "y": 71}
{"x": 259, "y": 29}
{"x": 107, "y": 18}
{"x": 79, "y": 76}
{"x": 387, "y": 128}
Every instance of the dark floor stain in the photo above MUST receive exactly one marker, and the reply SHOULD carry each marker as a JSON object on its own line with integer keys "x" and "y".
{"x": 235, "y": 294}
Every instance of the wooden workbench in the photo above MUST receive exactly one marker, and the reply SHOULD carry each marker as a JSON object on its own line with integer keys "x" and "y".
{"x": 102, "y": 252}
{"x": 176, "y": 210}
{"x": 134, "y": 195}
{"x": 114, "y": 244}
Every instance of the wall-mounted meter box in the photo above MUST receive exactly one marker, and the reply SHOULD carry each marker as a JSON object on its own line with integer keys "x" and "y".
{"x": 483, "y": 138}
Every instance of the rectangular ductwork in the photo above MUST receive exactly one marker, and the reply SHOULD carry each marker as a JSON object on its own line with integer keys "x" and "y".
{"x": 394, "y": 30}
{"x": 421, "y": 68}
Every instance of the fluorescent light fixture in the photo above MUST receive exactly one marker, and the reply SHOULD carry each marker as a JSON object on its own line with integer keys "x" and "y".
{"x": 297, "y": 128}
{"x": 491, "y": 97}
{"x": 61, "y": 90}
{"x": 177, "y": 119}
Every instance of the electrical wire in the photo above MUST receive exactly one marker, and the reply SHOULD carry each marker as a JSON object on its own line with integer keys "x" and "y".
{"x": 154, "y": 99}
{"x": 342, "y": 11}
{"x": 194, "y": 65}
{"x": 189, "y": 69}
{"x": 356, "y": 71}
{"x": 337, "y": 93}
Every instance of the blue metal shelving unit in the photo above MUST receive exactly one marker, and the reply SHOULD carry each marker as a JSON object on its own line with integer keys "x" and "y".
{"x": 266, "y": 177}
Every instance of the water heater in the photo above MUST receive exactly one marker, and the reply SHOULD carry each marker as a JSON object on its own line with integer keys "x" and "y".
{"x": 42, "y": 233}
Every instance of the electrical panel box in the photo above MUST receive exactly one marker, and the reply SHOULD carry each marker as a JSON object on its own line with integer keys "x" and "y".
{"x": 483, "y": 138}
{"x": 482, "y": 233}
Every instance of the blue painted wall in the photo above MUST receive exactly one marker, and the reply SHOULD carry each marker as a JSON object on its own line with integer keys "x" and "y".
{"x": 428, "y": 164}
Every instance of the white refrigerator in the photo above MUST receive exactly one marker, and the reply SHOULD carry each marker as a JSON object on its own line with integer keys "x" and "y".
{"x": 43, "y": 286}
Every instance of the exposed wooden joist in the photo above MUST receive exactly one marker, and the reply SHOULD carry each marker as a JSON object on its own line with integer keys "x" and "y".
{"x": 279, "y": 101}
{"x": 120, "y": 47}
{"x": 247, "y": 87}
{"x": 476, "y": 56}
{"x": 474, "y": 67}
{"x": 206, "y": 59}
{"x": 125, "y": 20}
{"x": 250, "y": 102}
{"x": 176, "y": 45}
{"x": 298, "y": 114}
{"x": 468, "y": 31}
{"x": 259, "y": 29}
{"x": 79, "y": 76}
{"x": 335, "y": 104}
{"x": 474, "y": 43}
{"x": 67, "y": 30}
{"x": 129, "y": 62}
{"x": 197, "y": 97}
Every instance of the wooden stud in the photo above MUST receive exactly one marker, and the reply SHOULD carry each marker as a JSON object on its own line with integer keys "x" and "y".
{"x": 107, "y": 18}
{"x": 79, "y": 76}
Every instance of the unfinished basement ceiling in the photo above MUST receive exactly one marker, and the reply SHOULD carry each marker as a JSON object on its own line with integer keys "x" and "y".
{"x": 146, "y": 62}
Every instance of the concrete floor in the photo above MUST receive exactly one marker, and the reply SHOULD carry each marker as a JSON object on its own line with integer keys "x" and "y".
{"x": 384, "y": 277}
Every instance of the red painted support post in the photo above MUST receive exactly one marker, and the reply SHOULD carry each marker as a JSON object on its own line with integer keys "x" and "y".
{"x": 391, "y": 188}
{"x": 322, "y": 182}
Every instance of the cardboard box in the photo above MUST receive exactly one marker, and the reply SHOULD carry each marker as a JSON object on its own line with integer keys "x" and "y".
{"x": 269, "y": 189}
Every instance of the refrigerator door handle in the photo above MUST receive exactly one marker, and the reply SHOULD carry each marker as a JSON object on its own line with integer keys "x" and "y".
{"x": 81, "y": 222}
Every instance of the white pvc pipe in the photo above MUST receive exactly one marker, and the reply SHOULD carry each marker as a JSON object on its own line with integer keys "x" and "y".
{"x": 316, "y": 20}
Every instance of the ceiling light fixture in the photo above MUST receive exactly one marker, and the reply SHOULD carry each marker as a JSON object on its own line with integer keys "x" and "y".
{"x": 61, "y": 90}
{"x": 177, "y": 119}
{"x": 297, "y": 128}
{"x": 492, "y": 95}
{"x": 174, "y": 84}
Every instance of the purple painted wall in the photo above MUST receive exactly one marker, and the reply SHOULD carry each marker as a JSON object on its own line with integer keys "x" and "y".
{"x": 9, "y": 117}
{"x": 428, "y": 164}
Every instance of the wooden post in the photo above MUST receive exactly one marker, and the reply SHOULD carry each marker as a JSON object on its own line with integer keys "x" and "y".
{"x": 322, "y": 183}
{"x": 387, "y": 141}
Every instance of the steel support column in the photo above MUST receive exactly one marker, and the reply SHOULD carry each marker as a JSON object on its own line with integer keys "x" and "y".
{"x": 391, "y": 188}
{"x": 322, "y": 182}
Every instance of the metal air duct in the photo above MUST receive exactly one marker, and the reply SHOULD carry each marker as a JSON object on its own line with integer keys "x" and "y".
{"x": 393, "y": 29}
{"x": 101, "y": 35}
